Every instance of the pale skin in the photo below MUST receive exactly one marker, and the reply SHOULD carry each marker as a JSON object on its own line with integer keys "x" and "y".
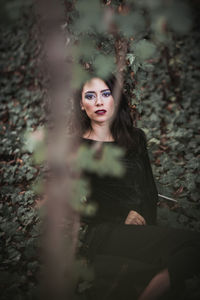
{"x": 97, "y": 96}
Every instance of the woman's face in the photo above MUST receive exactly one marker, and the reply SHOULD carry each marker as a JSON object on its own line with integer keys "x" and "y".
{"x": 97, "y": 100}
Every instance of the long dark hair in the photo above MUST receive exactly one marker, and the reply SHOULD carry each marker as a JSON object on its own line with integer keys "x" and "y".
{"x": 122, "y": 129}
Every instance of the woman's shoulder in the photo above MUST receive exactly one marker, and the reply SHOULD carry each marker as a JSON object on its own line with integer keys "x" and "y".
{"x": 139, "y": 140}
{"x": 140, "y": 133}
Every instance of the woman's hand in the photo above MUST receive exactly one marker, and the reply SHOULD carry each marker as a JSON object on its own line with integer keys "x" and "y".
{"x": 134, "y": 218}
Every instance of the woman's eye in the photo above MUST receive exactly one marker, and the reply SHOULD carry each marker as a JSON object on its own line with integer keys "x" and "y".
{"x": 106, "y": 94}
{"x": 89, "y": 96}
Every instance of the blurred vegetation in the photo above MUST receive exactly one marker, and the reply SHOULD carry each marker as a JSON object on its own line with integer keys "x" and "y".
{"x": 161, "y": 79}
{"x": 20, "y": 109}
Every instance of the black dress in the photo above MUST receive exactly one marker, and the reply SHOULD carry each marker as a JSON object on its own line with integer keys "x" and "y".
{"x": 126, "y": 257}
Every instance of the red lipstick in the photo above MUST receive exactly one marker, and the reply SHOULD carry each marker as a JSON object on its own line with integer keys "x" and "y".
{"x": 100, "y": 112}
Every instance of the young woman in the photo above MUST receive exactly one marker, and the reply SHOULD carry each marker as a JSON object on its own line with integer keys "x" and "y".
{"x": 131, "y": 256}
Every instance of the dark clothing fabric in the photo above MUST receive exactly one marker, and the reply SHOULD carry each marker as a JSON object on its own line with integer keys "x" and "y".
{"x": 115, "y": 197}
{"x": 126, "y": 257}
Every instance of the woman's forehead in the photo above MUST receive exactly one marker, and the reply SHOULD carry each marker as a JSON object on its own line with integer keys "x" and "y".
{"x": 95, "y": 84}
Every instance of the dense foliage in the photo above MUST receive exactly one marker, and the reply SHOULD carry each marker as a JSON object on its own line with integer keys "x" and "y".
{"x": 162, "y": 84}
{"x": 169, "y": 116}
{"x": 20, "y": 110}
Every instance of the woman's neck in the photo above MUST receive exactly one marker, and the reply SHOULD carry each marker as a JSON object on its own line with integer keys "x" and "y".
{"x": 99, "y": 133}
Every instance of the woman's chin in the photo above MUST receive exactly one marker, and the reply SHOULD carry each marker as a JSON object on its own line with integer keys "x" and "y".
{"x": 100, "y": 119}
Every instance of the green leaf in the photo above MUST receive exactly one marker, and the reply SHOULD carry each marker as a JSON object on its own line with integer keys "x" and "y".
{"x": 104, "y": 65}
{"x": 90, "y": 17}
{"x": 108, "y": 164}
{"x": 130, "y": 57}
{"x": 179, "y": 17}
{"x": 131, "y": 24}
{"x": 85, "y": 49}
{"x": 147, "y": 67}
{"x": 143, "y": 49}
{"x": 79, "y": 76}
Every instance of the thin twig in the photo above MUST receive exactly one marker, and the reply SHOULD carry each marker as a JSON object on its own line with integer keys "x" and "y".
{"x": 167, "y": 198}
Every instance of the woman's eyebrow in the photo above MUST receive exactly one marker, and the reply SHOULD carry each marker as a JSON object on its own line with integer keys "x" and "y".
{"x": 105, "y": 90}
{"x": 89, "y": 92}
{"x": 94, "y": 91}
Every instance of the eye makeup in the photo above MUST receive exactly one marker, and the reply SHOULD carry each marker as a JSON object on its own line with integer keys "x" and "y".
{"x": 90, "y": 95}
{"x": 106, "y": 93}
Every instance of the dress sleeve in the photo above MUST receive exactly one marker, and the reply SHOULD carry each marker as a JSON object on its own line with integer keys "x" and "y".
{"x": 149, "y": 205}
{"x": 143, "y": 197}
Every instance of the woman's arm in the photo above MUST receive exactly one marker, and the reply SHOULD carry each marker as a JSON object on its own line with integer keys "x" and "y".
{"x": 145, "y": 188}
{"x": 149, "y": 206}
{"x": 148, "y": 209}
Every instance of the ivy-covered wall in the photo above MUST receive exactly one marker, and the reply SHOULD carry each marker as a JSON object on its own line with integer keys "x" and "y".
{"x": 20, "y": 109}
{"x": 170, "y": 118}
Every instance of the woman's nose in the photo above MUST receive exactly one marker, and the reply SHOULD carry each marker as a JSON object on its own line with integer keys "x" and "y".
{"x": 99, "y": 100}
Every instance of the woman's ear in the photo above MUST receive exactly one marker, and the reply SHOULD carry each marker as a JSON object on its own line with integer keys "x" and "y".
{"x": 81, "y": 105}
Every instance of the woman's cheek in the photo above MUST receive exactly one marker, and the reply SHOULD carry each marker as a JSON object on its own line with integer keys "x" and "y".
{"x": 88, "y": 109}
{"x": 112, "y": 107}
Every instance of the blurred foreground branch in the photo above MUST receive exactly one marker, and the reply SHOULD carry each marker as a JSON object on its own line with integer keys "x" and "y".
{"x": 61, "y": 221}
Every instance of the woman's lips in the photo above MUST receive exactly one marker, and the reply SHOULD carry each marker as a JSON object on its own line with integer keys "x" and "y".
{"x": 100, "y": 112}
